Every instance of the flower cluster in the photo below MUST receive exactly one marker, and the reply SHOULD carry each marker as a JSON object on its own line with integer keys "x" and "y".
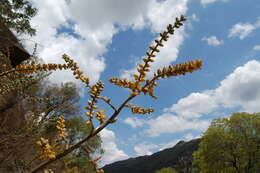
{"x": 149, "y": 88}
{"x": 150, "y": 55}
{"x": 46, "y": 150}
{"x": 179, "y": 69}
{"x": 139, "y": 110}
{"x": 100, "y": 116}
{"x": 61, "y": 130}
{"x": 134, "y": 86}
{"x": 94, "y": 93}
{"x": 100, "y": 171}
{"x": 70, "y": 64}
{"x": 76, "y": 72}
{"x": 33, "y": 68}
{"x": 145, "y": 67}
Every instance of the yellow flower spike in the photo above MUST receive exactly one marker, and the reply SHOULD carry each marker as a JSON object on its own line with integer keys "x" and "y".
{"x": 45, "y": 149}
{"x": 150, "y": 54}
{"x": 88, "y": 108}
{"x": 60, "y": 126}
{"x": 145, "y": 90}
{"x": 100, "y": 171}
{"x": 100, "y": 115}
{"x": 146, "y": 60}
{"x": 153, "y": 48}
{"x": 90, "y": 102}
{"x": 105, "y": 98}
{"x": 136, "y": 76}
{"x": 147, "y": 69}
{"x": 142, "y": 79}
{"x": 94, "y": 107}
{"x": 88, "y": 122}
{"x": 134, "y": 93}
{"x": 141, "y": 65}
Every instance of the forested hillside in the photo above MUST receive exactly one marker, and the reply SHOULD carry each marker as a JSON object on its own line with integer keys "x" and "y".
{"x": 178, "y": 157}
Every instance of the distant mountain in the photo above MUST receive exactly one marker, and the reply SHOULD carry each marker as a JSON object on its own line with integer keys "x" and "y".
{"x": 178, "y": 157}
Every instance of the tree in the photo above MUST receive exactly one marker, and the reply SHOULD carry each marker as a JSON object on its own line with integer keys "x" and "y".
{"x": 33, "y": 114}
{"x": 231, "y": 145}
{"x": 16, "y": 14}
{"x": 166, "y": 170}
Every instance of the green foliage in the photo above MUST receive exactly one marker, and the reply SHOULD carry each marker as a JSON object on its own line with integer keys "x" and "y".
{"x": 16, "y": 14}
{"x": 29, "y": 111}
{"x": 231, "y": 145}
{"x": 195, "y": 170}
{"x": 80, "y": 158}
{"x": 166, "y": 170}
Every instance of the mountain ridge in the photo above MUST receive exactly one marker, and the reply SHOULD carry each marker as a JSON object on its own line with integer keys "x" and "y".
{"x": 178, "y": 157}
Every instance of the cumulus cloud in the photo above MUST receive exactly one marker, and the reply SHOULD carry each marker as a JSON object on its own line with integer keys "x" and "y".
{"x": 159, "y": 15}
{"x": 206, "y": 2}
{"x": 241, "y": 88}
{"x": 86, "y": 50}
{"x": 168, "y": 144}
{"x": 194, "y": 105}
{"x": 243, "y": 30}
{"x": 256, "y": 47}
{"x": 94, "y": 23}
{"x": 190, "y": 136}
{"x": 144, "y": 148}
{"x": 238, "y": 89}
{"x": 112, "y": 153}
{"x": 169, "y": 123}
{"x": 212, "y": 41}
{"x": 134, "y": 122}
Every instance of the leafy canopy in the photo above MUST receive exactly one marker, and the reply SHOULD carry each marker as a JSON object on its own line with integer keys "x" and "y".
{"x": 16, "y": 14}
{"x": 166, "y": 170}
{"x": 231, "y": 145}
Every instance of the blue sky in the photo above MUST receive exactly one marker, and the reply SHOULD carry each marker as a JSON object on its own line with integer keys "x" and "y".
{"x": 108, "y": 38}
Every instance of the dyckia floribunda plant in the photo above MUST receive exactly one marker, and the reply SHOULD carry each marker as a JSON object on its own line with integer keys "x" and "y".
{"x": 139, "y": 85}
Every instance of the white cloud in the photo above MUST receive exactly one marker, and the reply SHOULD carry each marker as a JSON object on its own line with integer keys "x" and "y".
{"x": 134, "y": 122}
{"x": 168, "y": 144}
{"x": 194, "y": 105}
{"x": 212, "y": 41}
{"x": 112, "y": 153}
{"x": 238, "y": 89}
{"x": 241, "y": 88}
{"x": 242, "y": 30}
{"x": 86, "y": 51}
{"x": 190, "y": 136}
{"x": 144, "y": 148}
{"x": 256, "y": 47}
{"x": 169, "y": 123}
{"x": 159, "y": 15}
{"x": 94, "y": 22}
{"x": 205, "y": 2}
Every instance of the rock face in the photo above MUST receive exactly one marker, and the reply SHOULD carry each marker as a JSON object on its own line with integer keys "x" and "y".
{"x": 9, "y": 44}
{"x": 178, "y": 157}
